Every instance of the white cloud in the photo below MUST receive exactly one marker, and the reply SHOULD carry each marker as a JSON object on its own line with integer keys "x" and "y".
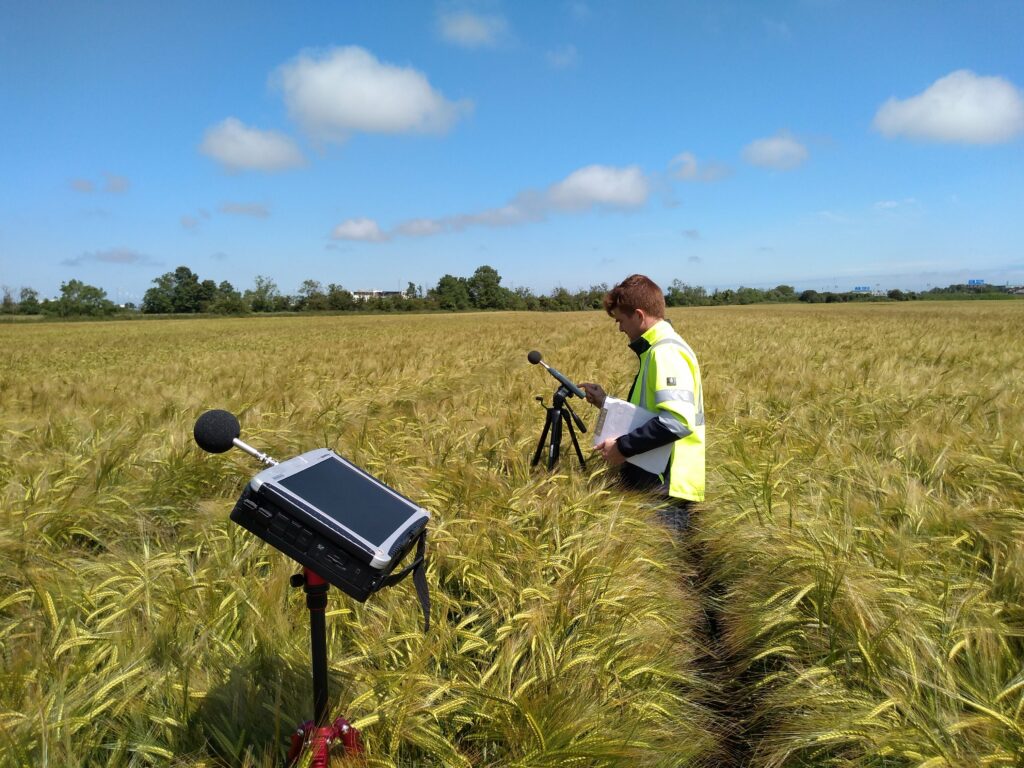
{"x": 579, "y": 10}
{"x": 693, "y": 234}
{"x": 960, "y": 107}
{"x": 781, "y": 151}
{"x": 778, "y": 29}
{"x": 420, "y": 227}
{"x": 526, "y": 207}
{"x": 116, "y": 184}
{"x": 472, "y": 30}
{"x": 359, "y": 229}
{"x": 600, "y": 185}
{"x": 120, "y": 256}
{"x": 256, "y": 210}
{"x": 684, "y": 166}
{"x": 563, "y": 58}
{"x": 335, "y": 93}
{"x": 238, "y": 147}
{"x": 891, "y": 205}
{"x": 595, "y": 186}
{"x": 190, "y": 223}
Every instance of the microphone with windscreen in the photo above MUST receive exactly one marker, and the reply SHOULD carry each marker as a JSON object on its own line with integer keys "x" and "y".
{"x": 535, "y": 357}
{"x": 217, "y": 431}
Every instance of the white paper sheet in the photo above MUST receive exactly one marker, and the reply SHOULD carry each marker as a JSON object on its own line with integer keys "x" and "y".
{"x": 619, "y": 418}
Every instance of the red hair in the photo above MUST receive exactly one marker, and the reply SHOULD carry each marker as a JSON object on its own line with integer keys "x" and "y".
{"x": 633, "y": 293}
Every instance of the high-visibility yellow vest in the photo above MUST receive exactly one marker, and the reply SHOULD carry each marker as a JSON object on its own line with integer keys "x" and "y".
{"x": 669, "y": 380}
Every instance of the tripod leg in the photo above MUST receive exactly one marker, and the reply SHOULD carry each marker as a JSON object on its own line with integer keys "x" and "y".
{"x": 316, "y": 602}
{"x": 555, "y": 420}
{"x": 315, "y": 735}
{"x": 575, "y": 442}
{"x": 540, "y": 443}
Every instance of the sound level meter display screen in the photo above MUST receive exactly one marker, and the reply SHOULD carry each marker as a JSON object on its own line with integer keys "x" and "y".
{"x": 354, "y": 500}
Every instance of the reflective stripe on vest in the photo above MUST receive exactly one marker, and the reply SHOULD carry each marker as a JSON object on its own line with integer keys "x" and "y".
{"x": 660, "y": 397}
{"x": 667, "y": 395}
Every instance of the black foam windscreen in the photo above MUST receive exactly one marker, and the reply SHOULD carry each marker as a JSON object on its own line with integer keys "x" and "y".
{"x": 215, "y": 431}
{"x": 534, "y": 357}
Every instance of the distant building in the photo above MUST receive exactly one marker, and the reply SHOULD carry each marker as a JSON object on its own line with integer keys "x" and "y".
{"x": 364, "y": 295}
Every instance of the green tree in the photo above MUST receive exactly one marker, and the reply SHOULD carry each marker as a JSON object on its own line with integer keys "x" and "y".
{"x": 207, "y": 294}
{"x": 523, "y": 298}
{"x": 160, "y": 298}
{"x": 187, "y": 294}
{"x": 451, "y": 293}
{"x": 28, "y": 302}
{"x": 311, "y": 297}
{"x": 339, "y": 299}
{"x": 593, "y": 297}
{"x": 178, "y": 292}
{"x": 728, "y": 296}
{"x": 78, "y": 298}
{"x": 263, "y": 296}
{"x": 681, "y": 294}
{"x": 227, "y": 301}
{"x": 749, "y": 295}
{"x": 485, "y": 291}
{"x": 559, "y": 300}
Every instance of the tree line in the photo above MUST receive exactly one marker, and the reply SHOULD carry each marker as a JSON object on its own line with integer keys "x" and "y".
{"x": 183, "y": 292}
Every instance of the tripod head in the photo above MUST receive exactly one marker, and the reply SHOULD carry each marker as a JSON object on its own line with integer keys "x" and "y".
{"x": 560, "y": 401}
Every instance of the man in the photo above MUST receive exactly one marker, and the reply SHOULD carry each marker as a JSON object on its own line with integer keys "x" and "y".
{"x": 667, "y": 384}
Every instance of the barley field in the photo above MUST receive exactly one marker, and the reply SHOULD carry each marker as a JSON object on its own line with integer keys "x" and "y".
{"x": 849, "y": 595}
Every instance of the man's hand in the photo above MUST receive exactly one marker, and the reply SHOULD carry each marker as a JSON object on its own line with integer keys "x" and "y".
{"x": 609, "y": 451}
{"x": 595, "y": 393}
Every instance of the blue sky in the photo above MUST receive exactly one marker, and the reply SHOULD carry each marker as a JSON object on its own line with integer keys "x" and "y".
{"x": 818, "y": 143}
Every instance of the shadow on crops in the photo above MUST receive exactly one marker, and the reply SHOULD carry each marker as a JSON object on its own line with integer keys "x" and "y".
{"x": 251, "y": 715}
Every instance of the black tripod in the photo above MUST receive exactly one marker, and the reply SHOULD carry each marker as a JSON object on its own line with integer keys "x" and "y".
{"x": 558, "y": 412}
{"x": 317, "y": 735}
